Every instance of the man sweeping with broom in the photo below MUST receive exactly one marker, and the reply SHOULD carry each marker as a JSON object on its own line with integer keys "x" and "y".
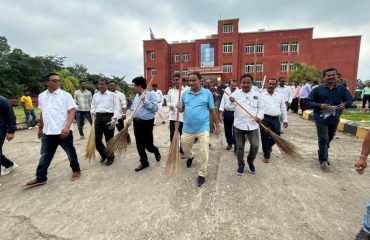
{"x": 144, "y": 121}
{"x": 197, "y": 104}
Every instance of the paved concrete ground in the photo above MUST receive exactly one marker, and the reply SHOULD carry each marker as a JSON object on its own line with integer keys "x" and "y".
{"x": 283, "y": 200}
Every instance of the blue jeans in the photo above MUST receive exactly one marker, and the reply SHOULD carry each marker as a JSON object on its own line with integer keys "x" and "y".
{"x": 81, "y": 115}
{"x": 49, "y": 144}
{"x": 29, "y": 112}
{"x": 325, "y": 133}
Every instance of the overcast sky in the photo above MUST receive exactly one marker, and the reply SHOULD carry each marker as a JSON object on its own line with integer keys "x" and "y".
{"x": 106, "y": 36}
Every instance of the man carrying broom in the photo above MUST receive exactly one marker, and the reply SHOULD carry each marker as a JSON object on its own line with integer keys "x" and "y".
{"x": 197, "y": 104}
{"x": 245, "y": 125}
{"x": 273, "y": 106}
{"x": 328, "y": 101}
{"x": 106, "y": 111}
{"x": 144, "y": 122}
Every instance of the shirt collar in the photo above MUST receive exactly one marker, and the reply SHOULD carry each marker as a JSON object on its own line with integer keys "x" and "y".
{"x": 55, "y": 92}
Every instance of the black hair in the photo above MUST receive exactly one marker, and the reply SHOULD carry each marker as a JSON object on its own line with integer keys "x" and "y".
{"x": 281, "y": 78}
{"x": 81, "y": 81}
{"x": 139, "y": 81}
{"x": 103, "y": 80}
{"x": 246, "y": 75}
{"x": 272, "y": 79}
{"x": 113, "y": 81}
{"x": 155, "y": 85}
{"x": 197, "y": 74}
{"x": 47, "y": 76}
{"x": 328, "y": 70}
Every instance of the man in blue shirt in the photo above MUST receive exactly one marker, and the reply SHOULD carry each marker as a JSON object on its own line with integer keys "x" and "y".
{"x": 328, "y": 101}
{"x": 144, "y": 122}
{"x": 197, "y": 104}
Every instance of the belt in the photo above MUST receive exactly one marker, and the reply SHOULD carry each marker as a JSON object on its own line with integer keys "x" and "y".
{"x": 104, "y": 114}
{"x": 272, "y": 117}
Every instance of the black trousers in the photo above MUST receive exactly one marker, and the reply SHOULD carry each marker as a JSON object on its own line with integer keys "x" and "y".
{"x": 267, "y": 142}
{"x": 101, "y": 129}
{"x": 228, "y": 125}
{"x": 143, "y": 130}
{"x": 172, "y": 131}
{"x": 325, "y": 134}
{"x": 303, "y": 104}
{"x": 120, "y": 125}
{"x": 4, "y": 161}
{"x": 365, "y": 99}
{"x": 294, "y": 105}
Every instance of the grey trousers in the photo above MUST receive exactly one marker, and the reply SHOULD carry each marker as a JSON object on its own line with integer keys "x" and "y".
{"x": 253, "y": 138}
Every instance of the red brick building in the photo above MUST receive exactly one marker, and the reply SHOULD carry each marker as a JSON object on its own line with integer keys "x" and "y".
{"x": 229, "y": 54}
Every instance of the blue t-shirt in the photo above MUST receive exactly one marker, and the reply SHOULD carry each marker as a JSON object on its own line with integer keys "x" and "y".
{"x": 196, "y": 108}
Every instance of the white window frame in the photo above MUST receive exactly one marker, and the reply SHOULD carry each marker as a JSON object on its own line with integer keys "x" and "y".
{"x": 185, "y": 72}
{"x": 186, "y": 57}
{"x": 249, "y": 49}
{"x": 259, "y": 67}
{"x": 153, "y": 72}
{"x": 249, "y": 68}
{"x": 292, "y": 66}
{"x": 294, "y": 46}
{"x": 259, "y": 48}
{"x": 227, "y": 68}
{"x": 228, "y": 28}
{"x": 228, "y": 47}
{"x": 285, "y": 47}
{"x": 176, "y": 71}
{"x": 258, "y": 83}
{"x": 284, "y": 67}
{"x": 177, "y": 57}
{"x": 152, "y": 55}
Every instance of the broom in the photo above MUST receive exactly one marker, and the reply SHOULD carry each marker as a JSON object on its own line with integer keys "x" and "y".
{"x": 288, "y": 149}
{"x": 90, "y": 148}
{"x": 119, "y": 143}
{"x": 173, "y": 158}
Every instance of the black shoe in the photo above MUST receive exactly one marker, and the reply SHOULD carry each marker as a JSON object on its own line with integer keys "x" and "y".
{"x": 362, "y": 235}
{"x": 110, "y": 161}
{"x": 157, "y": 156}
{"x": 201, "y": 181}
{"x": 251, "y": 167}
{"x": 189, "y": 162}
{"x": 141, "y": 167}
{"x": 163, "y": 122}
{"x": 102, "y": 159}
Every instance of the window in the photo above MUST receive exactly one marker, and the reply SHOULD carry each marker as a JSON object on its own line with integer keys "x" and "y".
{"x": 249, "y": 49}
{"x": 293, "y": 66}
{"x": 153, "y": 72}
{"x": 152, "y": 56}
{"x": 249, "y": 67}
{"x": 207, "y": 55}
{"x": 259, "y": 48}
{"x": 185, "y": 72}
{"x": 177, "y": 57}
{"x": 228, "y": 47}
{"x": 228, "y": 28}
{"x": 257, "y": 83}
{"x": 228, "y": 68}
{"x": 285, "y": 47}
{"x": 259, "y": 67}
{"x": 185, "y": 57}
{"x": 284, "y": 67}
{"x": 294, "y": 46}
{"x": 176, "y": 71}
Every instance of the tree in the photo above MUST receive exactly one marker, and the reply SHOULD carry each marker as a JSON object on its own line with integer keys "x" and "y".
{"x": 79, "y": 71}
{"x": 68, "y": 82}
{"x": 303, "y": 71}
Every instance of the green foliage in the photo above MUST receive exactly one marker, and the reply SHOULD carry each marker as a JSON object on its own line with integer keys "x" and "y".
{"x": 19, "y": 71}
{"x": 304, "y": 71}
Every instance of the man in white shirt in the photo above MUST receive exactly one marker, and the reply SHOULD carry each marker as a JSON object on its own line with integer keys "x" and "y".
{"x": 244, "y": 125}
{"x": 55, "y": 128}
{"x": 227, "y": 116}
{"x": 121, "y": 100}
{"x": 106, "y": 111}
{"x": 284, "y": 90}
{"x": 274, "y": 106}
{"x": 172, "y": 102}
{"x": 159, "y": 95}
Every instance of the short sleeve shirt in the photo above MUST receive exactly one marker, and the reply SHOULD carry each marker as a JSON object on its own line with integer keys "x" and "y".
{"x": 54, "y": 107}
{"x": 196, "y": 108}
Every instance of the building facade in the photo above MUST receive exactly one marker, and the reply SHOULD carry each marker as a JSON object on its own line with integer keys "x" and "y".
{"x": 229, "y": 54}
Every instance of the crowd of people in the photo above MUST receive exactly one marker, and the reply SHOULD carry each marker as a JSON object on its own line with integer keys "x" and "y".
{"x": 199, "y": 110}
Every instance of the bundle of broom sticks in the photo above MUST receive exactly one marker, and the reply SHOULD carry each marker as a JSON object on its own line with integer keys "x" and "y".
{"x": 288, "y": 149}
{"x": 118, "y": 144}
{"x": 90, "y": 148}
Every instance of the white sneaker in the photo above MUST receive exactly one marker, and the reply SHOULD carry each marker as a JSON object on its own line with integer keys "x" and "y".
{"x": 30, "y": 128}
{"x": 9, "y": 170}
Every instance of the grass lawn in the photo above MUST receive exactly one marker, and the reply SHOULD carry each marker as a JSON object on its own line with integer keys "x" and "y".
{"x": 356, "y": 117}
{"x": 19, "y": 113}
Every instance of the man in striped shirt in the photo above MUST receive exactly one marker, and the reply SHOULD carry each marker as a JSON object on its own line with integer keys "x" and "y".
{"x": 83, "y": 99}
